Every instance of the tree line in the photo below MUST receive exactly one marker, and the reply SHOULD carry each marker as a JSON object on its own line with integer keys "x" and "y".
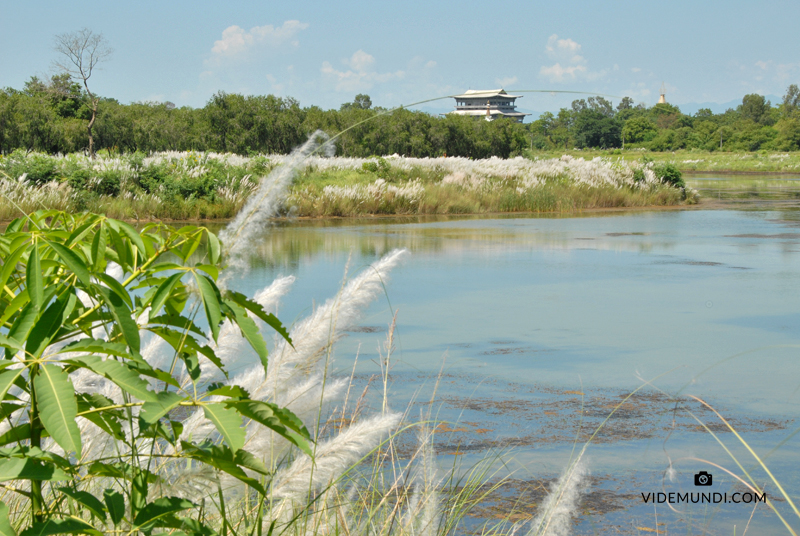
{"x": 594, "y": 123}
{"x": 51, "y": 116}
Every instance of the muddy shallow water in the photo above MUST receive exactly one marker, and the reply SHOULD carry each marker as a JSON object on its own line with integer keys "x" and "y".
{"x": 533, "y": 330}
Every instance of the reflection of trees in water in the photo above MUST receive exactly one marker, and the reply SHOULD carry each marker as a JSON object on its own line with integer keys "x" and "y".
{"x": 286, "y": 246}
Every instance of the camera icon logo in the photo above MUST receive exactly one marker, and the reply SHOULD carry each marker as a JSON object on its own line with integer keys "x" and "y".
{"x": 703, "y": 479}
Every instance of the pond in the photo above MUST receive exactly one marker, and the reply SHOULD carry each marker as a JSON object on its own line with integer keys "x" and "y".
{"x": 532, "y": 330}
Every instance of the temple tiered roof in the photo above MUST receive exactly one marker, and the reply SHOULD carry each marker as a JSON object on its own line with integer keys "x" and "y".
{"x": 488, "y": 103}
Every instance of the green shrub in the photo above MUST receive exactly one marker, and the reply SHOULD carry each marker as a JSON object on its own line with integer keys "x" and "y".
{"x": 670, "y": 174}
{"x": 58, "y": 298}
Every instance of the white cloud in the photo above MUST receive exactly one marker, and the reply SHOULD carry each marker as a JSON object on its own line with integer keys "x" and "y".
{"x": 361, "y": 76}
{"x": 360, "y": 61}
{"x": 563, "y": 49}
{"x": 506, "y": 82}
{"x": 569, "y": 65}
{"x": 635, "y": 69}
{"x": 236, "y": 41}
{"x": 559, "y": 73}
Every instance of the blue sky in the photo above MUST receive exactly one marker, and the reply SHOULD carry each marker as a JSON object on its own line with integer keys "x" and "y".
{"x": 323, "y": 53}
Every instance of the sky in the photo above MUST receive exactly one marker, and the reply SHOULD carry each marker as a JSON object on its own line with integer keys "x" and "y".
{"x": 400, "y": 53}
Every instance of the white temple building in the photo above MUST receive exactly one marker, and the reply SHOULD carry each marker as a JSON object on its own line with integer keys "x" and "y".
{"x": 490, "y": 104}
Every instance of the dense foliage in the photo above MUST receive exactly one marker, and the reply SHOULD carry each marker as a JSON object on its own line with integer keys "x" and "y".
{"x": 51, "y": 116}
{"x": 595, "y": 123}
{"x": 77, "y": 457}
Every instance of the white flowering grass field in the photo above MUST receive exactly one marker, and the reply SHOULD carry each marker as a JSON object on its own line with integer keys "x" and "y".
{"x": 395, "y": 185}
{"x": 697, "y": 161}
{"x": 196, "y": 186}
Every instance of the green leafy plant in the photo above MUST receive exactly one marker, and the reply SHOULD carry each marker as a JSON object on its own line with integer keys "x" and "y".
{"x": 62, "y": 312}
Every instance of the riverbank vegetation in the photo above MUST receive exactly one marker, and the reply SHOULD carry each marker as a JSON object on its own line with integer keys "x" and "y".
{"x": 188, "y": 185}
{"x": 697, "y": 161}
{"x": 51, "y": 116}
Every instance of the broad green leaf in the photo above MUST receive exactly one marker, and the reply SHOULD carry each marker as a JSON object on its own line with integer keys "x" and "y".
{"x": 155, "y": 409}
{"x": 250, "y": 332}
{"x": 6, "y": 410}
{"x": 232, "y": 391}
{"x": 214, "y": 248}
{"x": 163, "y": 293}
{"x": 33, "y": 278}
{"x": 159, "y": 429}
{"x": 7, "y": 379}
{"x": 115, "y": 503}
{"x": 23, "y": 324}
{"x": 13, "y": 344}
{"x": 256, "y": 308}
{"x": 78, "y": 234}
{"x": 221, "y": 457}
{"x": 228, "y": 422}
{"x": 70, "y": 525}
{"x": 35, "y": 453}
{"x": 116, "y": 287}
{"x": 88, "y": 500}
{"x": 248, "y": 461}
{"x": 118, "y": 252}
{"x": 120, "y": 470}
{"x": 280, "y": 420}
{"x": 98, "y": 346}
{"x": 190, "y": 246}
{"x": 73, "y": 262}
{"x": 179, "y": 322}
{"x": 99, "y": 250}
{"x": 160, "y": 508}
{"x": 18, "y": 434}
{"x": 20, "y": 301}
{"x": 191, "y": 526}
{"x": 5, "y": 522}
{"x": 49, "y": 324}
{"x": 139, "y": 485}
{"x": 211, "y": 301}
{"x": 213, "y": 271}
{"x": 132, "y": 235}
{"x": 181, "y": 343}
{"x": 10, "y": 265}
{"x": 15, "y": 225}
{"x": 107, "y": 420}
{"x": 192, "y": 363}
{"x": 30, "y": 469}
{"x": 122, "y": 316}
{"x": 58, "y": 408}
{"x": 119, "y": 373}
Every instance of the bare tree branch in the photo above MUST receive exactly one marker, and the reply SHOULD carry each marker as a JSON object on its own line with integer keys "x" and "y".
{"x": 81, "y": 52}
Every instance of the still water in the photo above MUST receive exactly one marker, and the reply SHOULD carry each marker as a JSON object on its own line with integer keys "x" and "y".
{"x": 531, "y": 330}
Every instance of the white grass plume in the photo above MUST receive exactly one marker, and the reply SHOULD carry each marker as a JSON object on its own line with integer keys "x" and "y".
{"x": 266, "y": 201}
{"x": 269, "y": 298}
{"x": 333, "y": 457}
{"x": 557, "y": 509}
{"x": 339, "y": 313}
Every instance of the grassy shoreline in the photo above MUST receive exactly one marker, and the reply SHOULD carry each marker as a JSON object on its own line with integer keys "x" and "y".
{"x": 182, "y": 186}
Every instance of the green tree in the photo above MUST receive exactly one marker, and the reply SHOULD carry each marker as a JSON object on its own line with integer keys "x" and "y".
{"x": 639, "y": 129}
{"x": 755, "y": 108}
{"x": 791, "y": 101}
{"x": 360, "y": 102}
